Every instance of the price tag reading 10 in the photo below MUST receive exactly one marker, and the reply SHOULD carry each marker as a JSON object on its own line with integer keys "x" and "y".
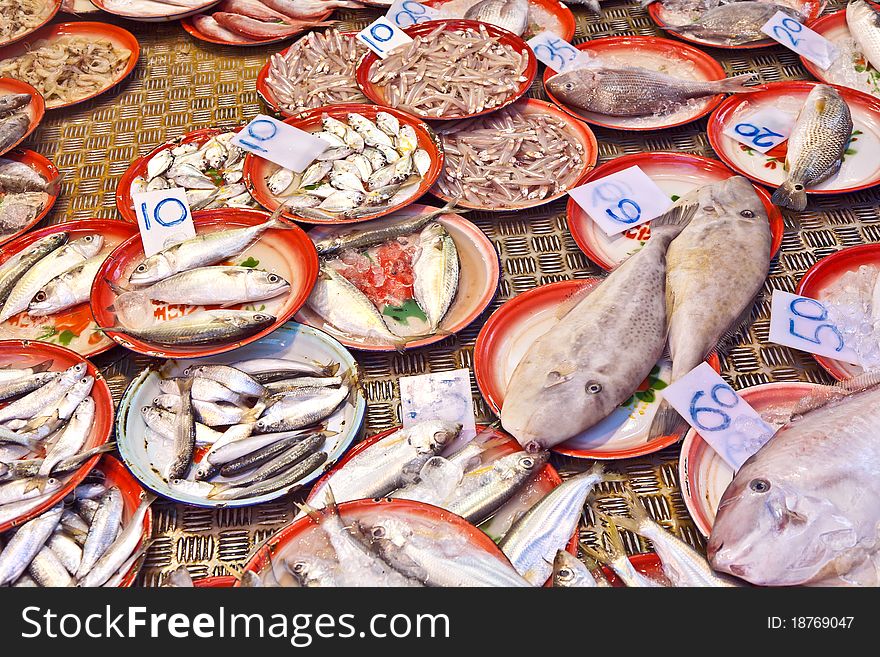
{"x": 163, "y": 217}
{"x": 762, "y": 130}
{"x": 280, "y": 143}
{"x": 382, "y": 36}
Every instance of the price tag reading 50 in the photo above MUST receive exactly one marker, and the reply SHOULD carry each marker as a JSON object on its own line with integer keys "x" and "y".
{"x": 622, "y": 200}
{"x": 556, "y": 53}
{"x": 406, "y": 13}
{"x": 762, "y": 130}
{"x": 802, "y": 323}
{"x": 163, "y": 218}
{"x": 722, "y": 418}
{"x": 382, "y": 36}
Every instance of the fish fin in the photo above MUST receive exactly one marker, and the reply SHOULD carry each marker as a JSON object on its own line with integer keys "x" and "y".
{"x": 614, "y": 546}
{"x": 824, "y": 395}
{"x": 676, "y": 218}
{"x": 737, "y": 84}
{"x": 41, "y": 367}
{"x": 666, "y": 422}
{"x": 254, "y": 413}
{"x": 790, "y": 195}
{"x": 37, "y": 483}
{"x": 54, "y": 186}
{"x": 148, "y": 498}
{"x": 330, "y": 369}
{"x": 636, "y": 509}
{"x": 740, "y": 322}
{"x": 571, "y": 302}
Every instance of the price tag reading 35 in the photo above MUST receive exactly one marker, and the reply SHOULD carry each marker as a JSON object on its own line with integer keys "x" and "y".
{"x": 762, "y": 130}
{"x": 406, "y": 13}
{"x": 163, "y": 217}
{"x": 796, "y": 36}
{"x": 280, "y": 143}
{"x": 723, "y": 419}
{"x": 622, "y": 200}
{"x": 802, "y": 323}
{"x": 382, "y": 36}
{"x": 556, "y": 53}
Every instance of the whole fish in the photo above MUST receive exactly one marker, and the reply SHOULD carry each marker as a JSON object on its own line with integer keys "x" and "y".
{"x": 309, "y": 9}
{"x": 227, "y": 452}
{"x": 532, "y": 542}
{"x": 26, "y": 383}
{"x": 221, "y": 286}
{"x": 16, "y": 266}
{"x": 266, "y": 370}
{"x": 30, "y": 468}
{"x": 19, "y": 210}
{"x": 26, "y": 489}
{"x": 286, "y": 479}
{"x": 264, "y": 455}
{"x": 255, "y": 29}
{"x": 435, "y": 272}
{"x": 614, "y": 557}
{"x": 802, "y": 509}
{"x": 735, "y": 23}
{"x": 436, "y": 555}
{"x": 206, "y": 390}
{"x": 816, "y": 145}
{"x": 281, "y": 462}
{"x": 12, "y": 129}
{"x": 199, "y": 251}
{"x": 11, "y": 102}
{"x": 204, "y": 328}
{"x": 184, "y": 438}
{"x": 303, "y": 382}
{"x": 635, "y": 91}
{"x": 234, "y": 379}
{"x": 103, "y": 528}
{"x": 714, "y": 270}
{"x": 26, "y": 543}
{"x": 70, "y": 289}
{"x": 570, "y": 572}
{"x": 17, "y": 177}
{"x": 47, "y": 569}
{"x": 511, "y": 15}
{"x": 598, "y": 353}
{"x": 66, "y": 549}
{"x": 863, "y": 21}
{"x": 28, "y": 406}
{"x": 289, "y": 417}
{"x": 53, "y": 264}
{"x": 209, "y": 413}
{"x": 72, "y": 438}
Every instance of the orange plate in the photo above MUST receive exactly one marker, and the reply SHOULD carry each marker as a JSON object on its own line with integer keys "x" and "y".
{"x": 55, "y": 6}
{"x": 677, "y": 173}
{"x": 256, "y": 169}
{"x": 294, "y": 249}
{"x": 477, "y": 284}
{"x": 813, "y": 9}
{"x": 824, "y": 274}
{"x": 384, "y": 507}
{"x": 35, "y": 109}
{"x": 704, "y": 475}
{"x": 46, "y": 169}
{"x": 833, "y": 27}
{"x": 193, "y": 30}
{"x": 581, "y": 131}
{"x": 647, "y": 563}
{"x": 218, "y": 582}
{"x": 374, "y": 92}
{"x": 124, "y": 204}
{"x": 634, "y": 47}
{"x": 25, "y": 353}
{"x": 565, "y": 24}
{"x": 509, "y": 332}
{"x": 75, "y": 325}
{"x": 132, "y": 493}
{"x": 88, "y": 30}
{"x": 177, "y": 15}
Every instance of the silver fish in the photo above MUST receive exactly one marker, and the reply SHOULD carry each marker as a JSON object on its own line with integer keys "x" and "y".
{"x": 26, "y": 383}
{"x": 48, "y": 570}
{"x": 285, "y": 479}
{"x": 217, "y": 285}
{"x": 16, "y": 266}
{"x": 67, "y": 550}
{"x": 863, "y": 21}
{"x": 265, "y": 370}
{"x": 735, "y": 23}
{"x": 435, "y": 270}
{"x": 26, "y": 543}
{"x": 229, "y": 451}
{"x": 29, "y": 405}
{"x": 816, "y": 145}
{"x": 72, "y": 438}
{"x": 302, "y": 413}
{"x": 511, "y": 15}
{"x": 614, "y": 557}
{"x": 70, "y": 289}
{"x": 13, "y": 128}
{"x": 570, "y": 572}
{"x": 204, "y": 328}
{"x": 103, "y": 528}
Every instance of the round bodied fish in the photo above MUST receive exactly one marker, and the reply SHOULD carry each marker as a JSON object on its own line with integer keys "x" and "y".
{"x": 435, "y": 273}
{"x": 511, "y": 15}
{"x": 17, "y": 177}
{"x": 71, "y": 288}
{"x": 802, "y": 510}
{"x": 598, "y": 353}
{"x": 863, "y": 20}
{"x": 816, "y": 146}
{"x": 570, "y": 572}
{"x": 204, "y": 328}
{"x": 16, "y": 266}
{"x": 735, "y": 23}
{"x": 216, "y": 286}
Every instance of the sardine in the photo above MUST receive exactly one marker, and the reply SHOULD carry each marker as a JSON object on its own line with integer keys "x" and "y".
{"x": 266, "y": 370}
{"x": 285, "y": 479}
{"x": 511, "y": 15}
{"x": 435, "y": 271}
{"x": 302, "y": 413}
{"x": 26, "y": 383}
{"x": 48, "y": 570}
{"x": 17, "y": 265}
{"x": 72, "y": 438}
{"x": 28, "y": 406}
{"x": 26, "y": 543}
{"x": 103, "y": 528}
{"x": 70, "y": 289}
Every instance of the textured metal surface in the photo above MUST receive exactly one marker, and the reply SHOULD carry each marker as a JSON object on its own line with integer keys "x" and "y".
{"x": 182, "y": 84}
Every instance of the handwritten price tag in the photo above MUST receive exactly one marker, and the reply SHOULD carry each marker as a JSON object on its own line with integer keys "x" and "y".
{"x": 796, "y": 36}
{"x": 163, "y": 217}
{"x": 406, "y": 13}
{"x": 280, "y": 143}
{"x": 802, "y": 323}
{"x": 622, "y": 200}
{"x": 723, "y": 419}
{"x": 556, "y": 53}
{"x": 762, "y": 130}
{"x": 438, "y": 396}
{"x": 382, "y": 36}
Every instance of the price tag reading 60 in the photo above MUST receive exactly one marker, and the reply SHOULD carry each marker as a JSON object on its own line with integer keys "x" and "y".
{"x": 406, "y": 13}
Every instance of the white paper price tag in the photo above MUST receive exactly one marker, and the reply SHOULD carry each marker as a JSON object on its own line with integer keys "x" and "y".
{"x": 406, "y": 13}
{"x": 622, "y": 200}
{"x": 280, "y": 143}
{"x": 439, "y": 396}
{"x": 163, "y": 218}
{"x": 556, "y": 53}
{"x": 382, "y": 36}
{"x": 762, "y": 130}
{"x": 796, "y": 36}
{"x": 723, "y": 419}
{"x": 802, "y": 323}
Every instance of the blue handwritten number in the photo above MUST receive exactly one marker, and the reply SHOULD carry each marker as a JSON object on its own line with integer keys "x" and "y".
{"x": 414, "y": 11}
{"x": 554, "y": 49}
{"x": 379, "y": 36}
{"x": 157, "y": 212}
{"x": 761, "y": 137}
{"x": 724, "y": 421}
{"x": 821, "y": 314}
{"x": 630, "y": 210}
{"x": 788, "y": 27}
{"x": 258, "y": 137}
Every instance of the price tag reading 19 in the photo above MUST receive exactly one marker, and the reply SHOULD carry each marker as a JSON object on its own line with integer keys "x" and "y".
{"x": 406, "y": 13}
{"x": 163, "y": 217}
{"x": 762, "y": 130}
{"x": 803, "y": 323}
{"x": 382, "y": 36}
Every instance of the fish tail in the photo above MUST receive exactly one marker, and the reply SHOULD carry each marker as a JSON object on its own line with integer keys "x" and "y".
{"x": 330, "y": 369}
{"x": 737, "y": 84}
{"x": 615, "y": 549}
{"x": 53, "y": 188}
{"x": 596, "y": 554}
{"x": 791, "y": 195}
{"x": 666, "y": 422}
{"x": 638, "y": 511}
{"x": 42, "y": 367}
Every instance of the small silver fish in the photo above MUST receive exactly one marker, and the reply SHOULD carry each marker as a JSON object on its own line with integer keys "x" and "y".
{"x": 435, "y": 271}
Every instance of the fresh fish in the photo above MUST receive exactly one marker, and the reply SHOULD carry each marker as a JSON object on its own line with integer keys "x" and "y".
{"x": 422, "y": 161}
{"x": 280, "y": 181}
{"x": 12, "y": 129}
{"x": 816, "y": 145}
{"x": 103, "y": 528}
{"x": 159, "y": 164}
{"x": 600, "y": 350}
{"x": 734, "y": 23}
{"x": 17, "y": 177}
{"x": 127, "y": 566}
{"x": 301, "y": 383}
{"x": 614, "y": 557}
{"x": 304, "y": 413}
{"x": 47, "y": 569}
{"x": 280, "y": 463}
{"x": 262, "y": 456}
{"x": 266, "y": 370}
{"x": 53, "y": 264}
{"x": 26, "y": 543}
{"x": 164, "y": 424}
{"x": 67, "y": 550}
{"x": 27, "y": 489}
{"x": 28, "y": 406}
{"x": 211, "y": 414}
{"x": 26, "y": 383}
{"x": 11, "y": 102}
{"x": 12, "y": 375}
{"x": 532, "y": 542}
{"x": 435, "y": 271}
{"x": 30, "y": 468}
{"x": 714, "y": 270}
{"x": 801, "y": 510}
{"x": 342, "y": 201}
{"x": 72, "y": 438}
{"x": 70, "y": 289}
{"x": 309, "y": 9}
{"x": 635, "y": 91}
{"x": 227, "y": 452}
{"x": 261, "y": 30}
{"x": 286, "y": 479}
{"x": 570, "y": 572}
{"x": 218, "y": 285}
{"x": 16, "y": 266}
{"x": 863, "y": 21}
{"x": 388, "y": 123}
{"x": 204, "y": 328}
{"x": 203, "y": 389}
{"x": 19, "y": 210}
{"x": 184, "y": 437}
{"x": 511, "y": 15}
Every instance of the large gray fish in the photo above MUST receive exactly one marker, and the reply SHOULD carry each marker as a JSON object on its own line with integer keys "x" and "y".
{"x": 204, "y": 328}
{"x": 863, "y": 20}
{"x": 17, "y": 177}
{"x": 510, "y": 15}
{"x": 598, "y": 353}
{"x": 734, "y": 23}
{"x": 635, "y": 91}
{"x": 816, "y": 145}
{"x": 16, "y": 266}
{"x": 803, "y": 509}
{"x": 13, "y": 128}
{"x": 714, "y": 270}
{"x": 435, "y": 272}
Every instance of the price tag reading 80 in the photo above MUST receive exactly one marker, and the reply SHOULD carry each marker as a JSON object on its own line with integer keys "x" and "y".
{"x": 803, "y": 323}
{"x": 762, "y": 130}
{"x": 798, "y": 37}
{"x": 406, "y": 13}
{"x": 382, "y": 36}
{"x": 163, "y": 217}
{"x": 622, "y": 200}
{"x": 556, "y": 53}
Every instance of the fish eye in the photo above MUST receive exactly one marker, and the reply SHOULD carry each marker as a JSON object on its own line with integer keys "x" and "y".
{"x": 594, "y": 387}
{"x": 709, "y": 208}
{"x": 88, "y": 238}
{"x": 748, "y": 214}
{"x": 273, "y": 278}
{"x": 759, "y": 485}
{"x": 564, "y": 573}
{"x": 798, "y": 187}
{"x": 378, "y": 532}
{"x": 527, "y": 462}
{"x": 299, "y": 567}
{"x": 40, "y": 296}
{"x": 141, "y": 268}
{"x": 569, "y": 86}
